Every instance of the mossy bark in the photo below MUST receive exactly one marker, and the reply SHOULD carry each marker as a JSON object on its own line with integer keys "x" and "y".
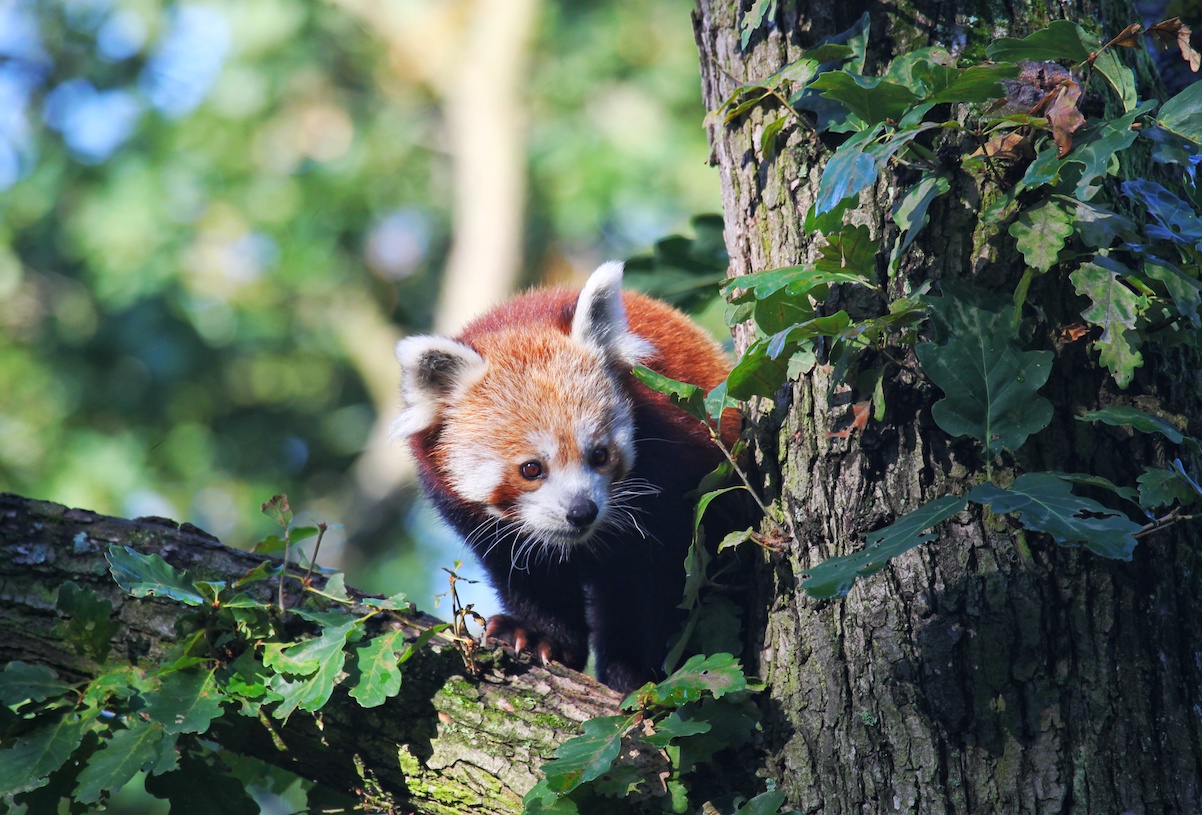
{"x": 446, "y": 744}
{"x": 980, "y": 672}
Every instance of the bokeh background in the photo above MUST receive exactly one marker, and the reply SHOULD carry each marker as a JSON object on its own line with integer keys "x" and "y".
{"x": 217, "y": 218}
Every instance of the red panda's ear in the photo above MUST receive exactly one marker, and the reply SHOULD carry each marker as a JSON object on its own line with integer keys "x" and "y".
{"x": 434, "y": 371}
{"x": 600, "y": 319}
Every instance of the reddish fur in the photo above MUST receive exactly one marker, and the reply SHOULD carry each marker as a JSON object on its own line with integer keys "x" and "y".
{"x": 684, "y": 352}
{"x": 621, "y": 597}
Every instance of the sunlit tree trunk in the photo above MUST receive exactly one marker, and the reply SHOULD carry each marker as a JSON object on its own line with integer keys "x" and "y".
{"x": 969, "y": 675}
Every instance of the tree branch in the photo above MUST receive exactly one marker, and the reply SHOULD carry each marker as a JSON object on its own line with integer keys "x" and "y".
{"x": 445, "y": 743}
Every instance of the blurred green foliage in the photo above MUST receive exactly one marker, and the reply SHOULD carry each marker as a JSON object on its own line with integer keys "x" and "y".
{"x": 202, "y": 205}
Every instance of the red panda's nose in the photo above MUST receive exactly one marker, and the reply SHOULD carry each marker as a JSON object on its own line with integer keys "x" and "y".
{"x": 581, "y": 512}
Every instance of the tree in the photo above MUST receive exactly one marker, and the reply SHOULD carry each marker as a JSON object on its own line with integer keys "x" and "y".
{"x": 987, "y": 670}
{"x": 982, "y": 667}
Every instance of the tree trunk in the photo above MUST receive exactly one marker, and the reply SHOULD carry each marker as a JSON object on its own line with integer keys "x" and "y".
{"x": 447, "y": 743}
{"x": 967, "y": 676}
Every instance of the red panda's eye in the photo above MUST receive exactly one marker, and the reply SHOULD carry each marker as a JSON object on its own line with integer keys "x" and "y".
{"x": 530, "y": 470}
{"x": 599, "y": 457}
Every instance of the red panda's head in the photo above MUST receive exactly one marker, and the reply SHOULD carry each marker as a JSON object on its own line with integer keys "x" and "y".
{"x": 535, "y": 425}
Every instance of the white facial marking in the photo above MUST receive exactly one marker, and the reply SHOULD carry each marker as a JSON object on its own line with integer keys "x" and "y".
{"x": 545, "y": 510}
{"x": 474, "y": 473}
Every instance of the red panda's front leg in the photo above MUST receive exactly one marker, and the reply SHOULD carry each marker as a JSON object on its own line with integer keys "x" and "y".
{"x": 544, "y": 610}
{"x": 512, "y": 632}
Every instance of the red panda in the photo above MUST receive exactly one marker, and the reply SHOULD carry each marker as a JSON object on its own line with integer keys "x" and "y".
{"x": 564, "y": 474}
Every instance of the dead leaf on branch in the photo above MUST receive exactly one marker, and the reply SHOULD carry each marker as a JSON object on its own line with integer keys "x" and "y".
{"x": 1127, "y": 38}
{"x": 1012, "y": 146}
{"x": 858, "y": 421}
{"x": 1071, "y": 333}
{"x": 1060, "y": 109}
{"x": 1172, "y": 32}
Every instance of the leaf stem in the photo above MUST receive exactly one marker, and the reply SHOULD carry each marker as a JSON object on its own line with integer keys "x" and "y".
{"x": 777, "y": 528}
{"x": 321, "y": 533}
{"x": 1175, "y": 516}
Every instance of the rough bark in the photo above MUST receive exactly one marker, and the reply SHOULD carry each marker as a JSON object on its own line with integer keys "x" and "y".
{"x": 447, "y": 743}
{"x": 966, "y": 677}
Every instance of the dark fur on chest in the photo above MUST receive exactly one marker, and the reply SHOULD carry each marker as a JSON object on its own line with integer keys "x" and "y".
{"x": 619, "y": 593}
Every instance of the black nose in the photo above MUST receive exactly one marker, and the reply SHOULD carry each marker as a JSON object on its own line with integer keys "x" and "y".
{"x": 581, "y": 512}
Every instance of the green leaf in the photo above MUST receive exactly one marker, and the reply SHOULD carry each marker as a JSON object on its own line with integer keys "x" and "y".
{"x": 1098, "y": 226}
{"x": 717, "y": 401}
{"x": 1095, "y": 150}
{"x": 1061, "y": 40}
{"x": 1176, "y": 219}
{"x": 852, "y": 252}
{"x": 27, "y": 764}
{"x": 1182, "y": 115}
{"x": 689, "y": 398}
{"x": 715, "y": 675}
{"x": 766, "y": 803}
{"x": 1120, "y": 77}
{"x": 87, "y": 626}
{"x": 142, "y": 746}
{"x": 320, "y": 660}
{"x": 585, "y": 757}
{"x": 829, "y": 221}
{"x": 989, "y": 384}
{"x": 705, "y": 501}
{"x": 754, "y": 19}
{"x": 847, "y": 172}
{"x": 910, "y": 211}
{"x": 186, "y": 702}
{"x": 797, "y": 280}
{"x": 780, "y": 309}
{"x": 397, "y": 602}
{"x": 22, "y": 682}
{"x": 1045, "y": 169}
{"x": 674, "y": 727}
{"x": 379, "y": 676}
{"x": 1045, "y": 503}
{"x": 1088, "y": 479}
{"x": 336, "y": 587}
{"x": 143, "y": 575}
{"x": 913, "y": 69}
{"x": 269, "y": 546}
{"x": 832, "y": 325}
{"x": 835, "y": 576}
{"x": 278, "y": 510}
{"x": 757, "y": 373}
{"x": 768, "y": 137}
{"x": 1115, "y": 308}
{"x": 976, "y": 84}
{"x": 871, "y": 98}
{"x": 1126, "y": 416}
{"x": 1161, "y": 486}
{"x": 1184, "y": 291}
{"x": 1040, "y": 234}
{"x": 246, "y": 677}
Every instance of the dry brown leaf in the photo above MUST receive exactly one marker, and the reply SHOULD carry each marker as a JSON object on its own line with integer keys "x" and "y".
{"x": 1063, "y": 116}
{"x": 1172, "y": 31}
{"x": 1012, "y": 146}
{"x": 859, "y": 421}
{"x": 1127, "y": 37}
{"x": 1072, "y": 333}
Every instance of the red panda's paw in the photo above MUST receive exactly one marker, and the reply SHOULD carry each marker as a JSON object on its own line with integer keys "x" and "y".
{"x": 512, "y": 632}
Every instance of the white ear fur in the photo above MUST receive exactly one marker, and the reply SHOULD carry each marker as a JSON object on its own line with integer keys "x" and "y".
{"x": 600, "y": 319}
{"x": 434, "y": 371}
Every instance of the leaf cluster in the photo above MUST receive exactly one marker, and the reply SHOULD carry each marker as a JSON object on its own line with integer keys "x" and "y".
{"x": 646, "y": 754}
{"x": 1028, "y": 133}
{"x": 238, "y": 657}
